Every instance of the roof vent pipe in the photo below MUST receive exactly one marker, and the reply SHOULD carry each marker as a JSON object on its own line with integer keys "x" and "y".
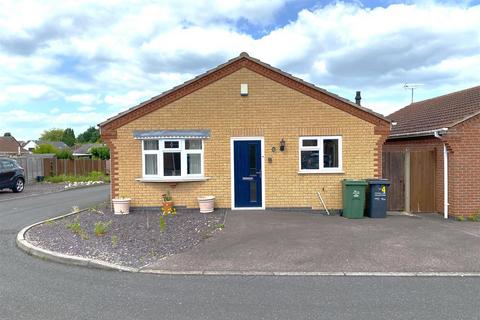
{"x": 358, "y": 97}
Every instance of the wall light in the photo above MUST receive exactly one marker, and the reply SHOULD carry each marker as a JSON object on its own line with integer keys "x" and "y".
{"x": 282, "y": 145}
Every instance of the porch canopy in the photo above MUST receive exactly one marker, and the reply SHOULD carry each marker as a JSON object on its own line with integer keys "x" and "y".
{"x": 171, "y": 134}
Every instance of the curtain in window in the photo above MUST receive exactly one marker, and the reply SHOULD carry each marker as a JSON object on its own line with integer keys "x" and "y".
{"x": 151, "y": 164}
{"x": 194, "y": 164}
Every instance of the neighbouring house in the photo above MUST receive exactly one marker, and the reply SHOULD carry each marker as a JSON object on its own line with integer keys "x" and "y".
{"x": 432, "y": 155}
{"x": 83, "y": 150}
{"x": 30, "y": 145}
{"x": 249, "y": 134}
{"x": 9, "y": 146}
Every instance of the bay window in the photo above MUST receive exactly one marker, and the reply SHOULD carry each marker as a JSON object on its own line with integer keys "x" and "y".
{"x": 172, "y": 158}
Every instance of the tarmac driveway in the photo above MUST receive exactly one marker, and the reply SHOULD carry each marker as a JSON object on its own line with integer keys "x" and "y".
{"x": 305, "y": 242}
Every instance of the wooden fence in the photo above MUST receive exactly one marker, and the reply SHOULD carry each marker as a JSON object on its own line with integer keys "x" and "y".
{"x": 75, "y": 167}
{"x": 32, "y": 164}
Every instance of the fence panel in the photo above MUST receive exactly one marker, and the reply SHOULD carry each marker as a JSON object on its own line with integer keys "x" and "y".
{"x": 73, "y": 167}
{"x": 33, "y": 164}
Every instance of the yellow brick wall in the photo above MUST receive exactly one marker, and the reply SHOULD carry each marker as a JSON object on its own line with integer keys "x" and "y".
{"x": 270, "y": 110}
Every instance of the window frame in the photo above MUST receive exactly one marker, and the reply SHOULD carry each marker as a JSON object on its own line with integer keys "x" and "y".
{"x": 183, "y": 159}
{"x": 319, "y": 148}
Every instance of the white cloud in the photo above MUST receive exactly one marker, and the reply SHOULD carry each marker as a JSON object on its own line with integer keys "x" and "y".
{"x": 111, "y": 55}
{"x": 83, "y": 98}
{"x": 55, "y": 110}
{"x": 86, "y": 109}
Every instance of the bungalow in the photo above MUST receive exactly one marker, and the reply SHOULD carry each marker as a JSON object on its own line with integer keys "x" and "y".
{"x": 9, "y": 146}
{"x": 432, "y": 155}
{"x": 84, "y": 150}
{"x": 249, "y": 134}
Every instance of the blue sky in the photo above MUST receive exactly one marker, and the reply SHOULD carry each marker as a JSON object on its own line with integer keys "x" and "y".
{"x": 74, "y": 64}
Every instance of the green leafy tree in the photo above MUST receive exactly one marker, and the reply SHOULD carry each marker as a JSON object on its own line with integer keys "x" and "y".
{"x": 45, "y": 148}
{"x": 69, "y": 137}
{"x": 52, "y": 135}
{"x": 91, "y": 135}
{"x": 100, "y": 153}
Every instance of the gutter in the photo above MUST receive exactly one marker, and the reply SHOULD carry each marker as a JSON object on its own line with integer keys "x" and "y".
{"x": 438, "y": 134}
{"x": 426, "y": 133}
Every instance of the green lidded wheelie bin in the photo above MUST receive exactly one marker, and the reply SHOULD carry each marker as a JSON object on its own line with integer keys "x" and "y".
{"x": 353, "y": 198}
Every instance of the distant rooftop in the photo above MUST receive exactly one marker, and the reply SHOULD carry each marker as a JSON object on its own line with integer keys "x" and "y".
{"x": 436, "y": 113}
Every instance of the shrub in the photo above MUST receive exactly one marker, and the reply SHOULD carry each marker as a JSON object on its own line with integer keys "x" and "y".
{"x": 64, "y": 154}
{"x": 100, "y": 153}
{"x": 45, "y": 148}
{"x": 162, "y": 223}
{"x": 101, "y": 228}
{"x": 92, "y": 176}
{"x": 474, "y": 218}
{"x": 114, "y": 240}
{"x": 77, "y": 229}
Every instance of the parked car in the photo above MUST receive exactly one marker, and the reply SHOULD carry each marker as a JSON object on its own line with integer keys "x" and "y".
{"x": 12, "y": 176}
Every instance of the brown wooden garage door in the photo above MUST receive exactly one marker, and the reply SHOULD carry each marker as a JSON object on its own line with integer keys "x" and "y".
{"x": 422, "y": 180}
{"x": 393, "y": 167}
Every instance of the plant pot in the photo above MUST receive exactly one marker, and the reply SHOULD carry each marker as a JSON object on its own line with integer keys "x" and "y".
{"x": 206, "y": 204}
{"x": 121, "y": 206}
{"x": 167, "y": 204}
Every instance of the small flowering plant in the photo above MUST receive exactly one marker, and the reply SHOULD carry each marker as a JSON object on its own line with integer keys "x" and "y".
{"x": 168, "y": 208}
{"x": 169, "y": 211}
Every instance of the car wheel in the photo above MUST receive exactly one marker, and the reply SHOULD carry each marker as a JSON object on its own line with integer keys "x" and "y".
{"x": 19, "y": 185}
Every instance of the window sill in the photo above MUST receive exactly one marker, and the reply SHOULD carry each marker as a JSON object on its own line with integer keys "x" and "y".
{"x": 321, "y": 172}
{"x": 170, "y": 180}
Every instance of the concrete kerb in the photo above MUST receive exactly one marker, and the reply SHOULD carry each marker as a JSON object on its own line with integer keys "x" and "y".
{"x": 52, "y": 192}
{"x": 33, "y": 250}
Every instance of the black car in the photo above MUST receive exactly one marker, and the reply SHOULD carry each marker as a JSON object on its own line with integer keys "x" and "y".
{"x": 11, "y": 175}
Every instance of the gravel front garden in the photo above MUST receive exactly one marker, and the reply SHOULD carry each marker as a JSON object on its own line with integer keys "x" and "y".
{"x": 133, "y": 240}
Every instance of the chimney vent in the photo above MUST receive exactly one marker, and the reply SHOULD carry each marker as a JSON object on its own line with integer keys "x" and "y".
{"x": 358, "y": 97}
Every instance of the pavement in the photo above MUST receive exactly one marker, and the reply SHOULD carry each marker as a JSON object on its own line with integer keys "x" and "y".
{"x": 299, "y": 242}
{"x": 32, "y": 288}
{"x": 31, "y": 189}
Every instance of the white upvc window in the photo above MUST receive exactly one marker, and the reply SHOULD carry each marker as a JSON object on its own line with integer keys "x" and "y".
{"x": 320, "y": 154}
{"x": 172, "y": 158}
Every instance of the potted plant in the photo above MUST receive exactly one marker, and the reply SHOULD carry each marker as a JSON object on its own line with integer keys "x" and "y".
{"x": 121, "y": 205}
{"x": 167, "y": 207}
{"x": 206, "y": 203}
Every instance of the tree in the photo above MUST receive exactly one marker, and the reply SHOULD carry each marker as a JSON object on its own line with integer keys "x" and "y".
{"x": 52, "y": 135}
{"x": 68, "y": 137}
{"x": 100, "y": 153}
{"x": 7, "y": 134}
{"x": 45, "y": 148}
{"x": 91, "y": 135}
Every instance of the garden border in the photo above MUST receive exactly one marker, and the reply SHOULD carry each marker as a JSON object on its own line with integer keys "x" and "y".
{"x": 33, "y": 250}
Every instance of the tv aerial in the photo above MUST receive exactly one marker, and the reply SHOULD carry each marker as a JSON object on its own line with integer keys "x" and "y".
{"x": 412, "y": 87}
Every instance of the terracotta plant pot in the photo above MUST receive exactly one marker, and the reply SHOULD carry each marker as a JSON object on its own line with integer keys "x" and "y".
{"x": 168, "y": 204}
{"x": 206, "y": 204}
{"x": 121, "y": 206}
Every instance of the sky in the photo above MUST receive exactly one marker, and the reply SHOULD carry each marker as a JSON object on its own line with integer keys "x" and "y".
{"x": 76, "y": 63}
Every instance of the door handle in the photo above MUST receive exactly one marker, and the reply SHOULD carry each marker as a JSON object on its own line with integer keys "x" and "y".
{"x": 247, "y": 178}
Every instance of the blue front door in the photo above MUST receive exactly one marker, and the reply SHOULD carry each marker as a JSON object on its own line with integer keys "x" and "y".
{"x": 247, "y": 168}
